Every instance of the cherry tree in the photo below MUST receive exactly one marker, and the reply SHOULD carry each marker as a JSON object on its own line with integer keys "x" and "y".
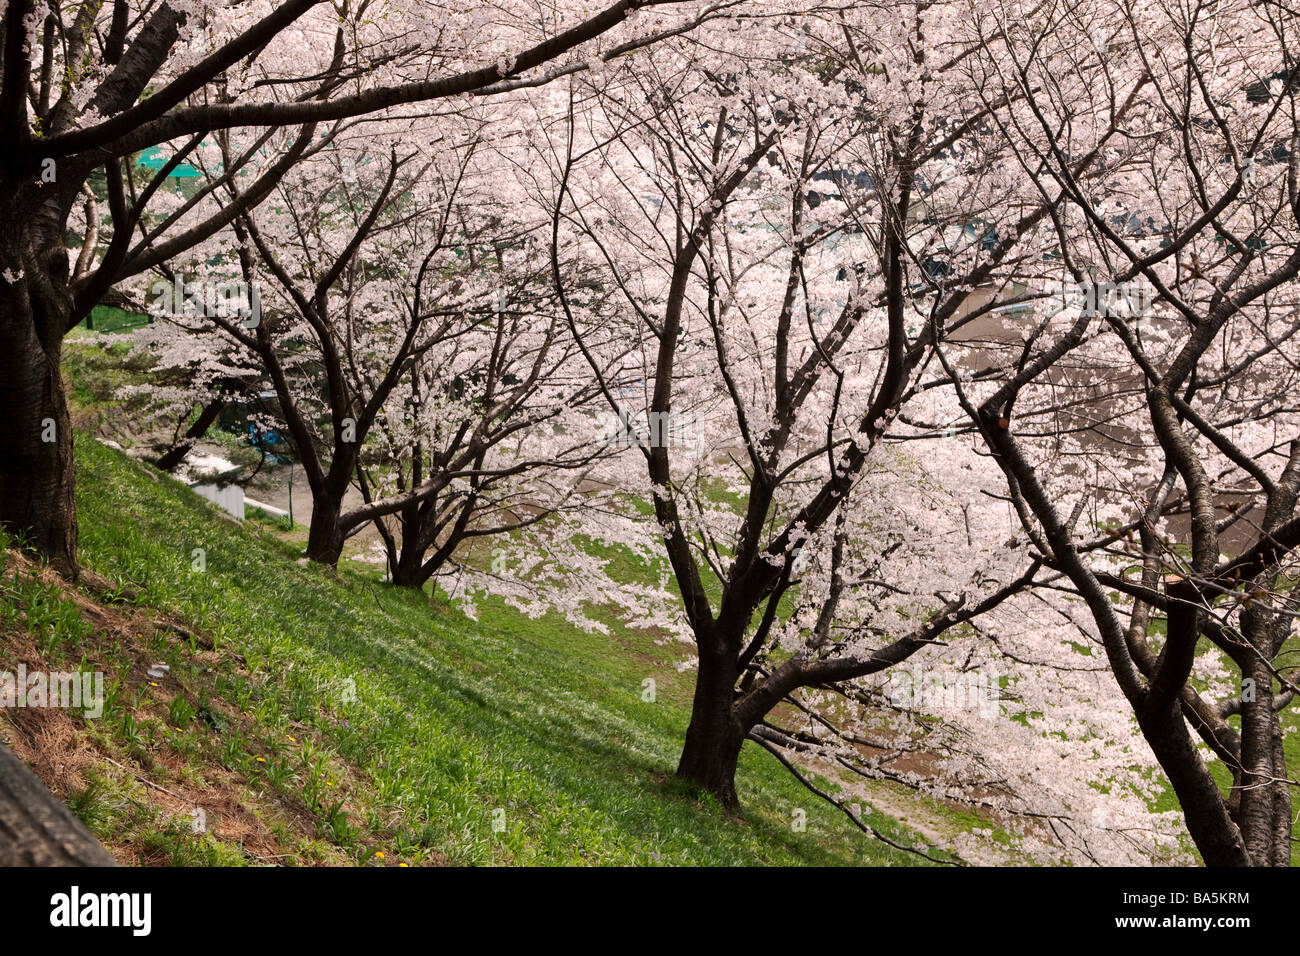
{"x": 792, "y": 245}
{"x": 84, "y": 86}
{"x": 401, "y": 311}
{"x": 1155, "y": 410}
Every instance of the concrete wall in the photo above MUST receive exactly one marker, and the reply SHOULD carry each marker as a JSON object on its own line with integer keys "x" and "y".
{"x": 229, "y": 498}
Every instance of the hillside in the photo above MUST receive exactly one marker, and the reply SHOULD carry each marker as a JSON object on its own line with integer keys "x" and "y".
{"x": 308, "y": 717}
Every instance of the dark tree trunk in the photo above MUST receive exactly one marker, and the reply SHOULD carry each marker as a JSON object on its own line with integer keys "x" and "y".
{"x": 408, "y": 559}
{"x": 36, "y": 466}
{"x": 1281, "y": 803}
{"x": 1258, "y": 724}
{"x": 1209, "y": 821}
{"x": 408, "y": 571}
{"x": 176, "y": 454}
{"x": 412, "y": 564}
{"x": 36, "y": 829}
{"x": 715, "y": 736}
{"x": 325, "y": 538}
{"x": 1206, "y": 814}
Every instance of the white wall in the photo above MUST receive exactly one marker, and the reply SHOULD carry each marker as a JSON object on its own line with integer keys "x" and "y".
{"x": 229, "y": 498}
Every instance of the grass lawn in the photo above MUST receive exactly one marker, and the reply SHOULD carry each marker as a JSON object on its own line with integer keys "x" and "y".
{"x": 309, "y": 716}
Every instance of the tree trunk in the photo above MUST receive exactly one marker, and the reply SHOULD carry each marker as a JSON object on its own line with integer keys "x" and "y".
{"x": 715, "y": 736}
{"x": 1258, "y": 725}
{"x": 176, "y": 454}
{"x": 325, "y": 539}
{"x": 36, "y": 466}
{"x": 1206, "y": 814}
{"x": 36, "y": 829}
{"x": 410, "y": 556}
{"x": 1281, "y": 803}
{"x": 415, "y": 566}
{"x": 408, "y": 570}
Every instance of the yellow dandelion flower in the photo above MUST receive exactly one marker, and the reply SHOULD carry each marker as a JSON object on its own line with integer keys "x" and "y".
{"x": 261, "y": 760}
{"x": 379, "y": 854}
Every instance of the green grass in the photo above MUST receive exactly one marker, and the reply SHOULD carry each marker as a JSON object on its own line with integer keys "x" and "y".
{"x": 505, "y": 740}
{"x": 108, "y": 318}
{"x": 98, "y": 368}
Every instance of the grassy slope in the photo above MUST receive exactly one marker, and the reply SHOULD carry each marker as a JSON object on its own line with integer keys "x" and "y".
{"x": 455, "y": 725}
{"x": 617, "y": 665}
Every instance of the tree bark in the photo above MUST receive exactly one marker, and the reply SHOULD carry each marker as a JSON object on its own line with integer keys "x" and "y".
{"x": 1205, "y": 812}
{"x": 36, "y": 829}
{"x": 1281, "y": 803}
{"x": 408, "y": 571}
{"x": 1257, "y": 729}
{"x": 715, "y": 735}
{"x": 325, "y": 538}
{"x": 36, "y": 465}
{"x": 412, "y": 565}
